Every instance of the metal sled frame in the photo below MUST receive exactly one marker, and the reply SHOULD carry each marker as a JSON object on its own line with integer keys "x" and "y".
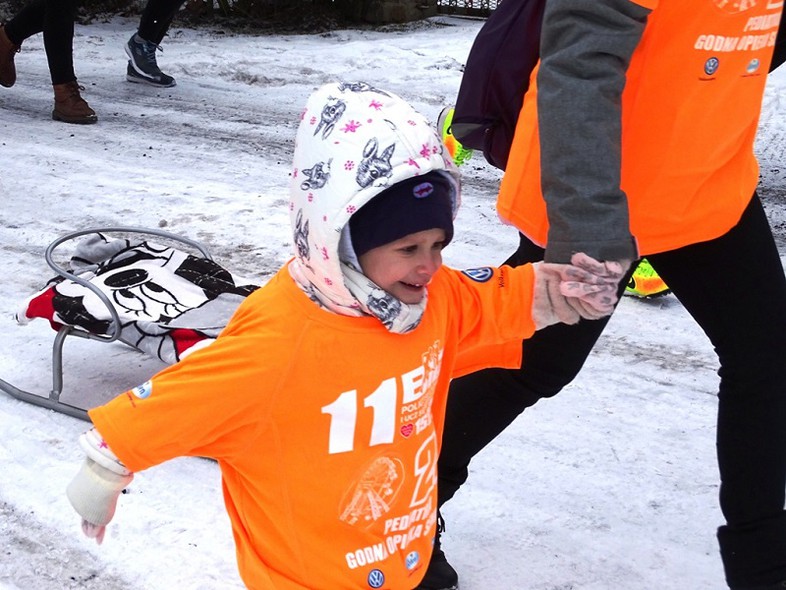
{"x": 52, "y": 400}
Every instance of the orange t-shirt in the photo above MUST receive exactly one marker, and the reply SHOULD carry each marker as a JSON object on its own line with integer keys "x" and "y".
{"x": 326, "y": 428}
{"x": 690, "y": 110}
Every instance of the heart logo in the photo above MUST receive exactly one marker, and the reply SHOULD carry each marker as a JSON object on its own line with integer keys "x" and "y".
{"x": 406, "y": 430}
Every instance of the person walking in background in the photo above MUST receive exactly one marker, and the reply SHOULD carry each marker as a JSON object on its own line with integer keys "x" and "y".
{"x": 637, "y": 140}
{"x": 142, "y": 46}
{"x": 55, "y": 18}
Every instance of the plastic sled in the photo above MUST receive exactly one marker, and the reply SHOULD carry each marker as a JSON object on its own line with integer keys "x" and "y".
{"x": 154, "y": 297}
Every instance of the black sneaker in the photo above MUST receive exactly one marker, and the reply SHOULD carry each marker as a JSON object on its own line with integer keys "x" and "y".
{"x": 142, "y": 65}
{"x": 440, "y": 575}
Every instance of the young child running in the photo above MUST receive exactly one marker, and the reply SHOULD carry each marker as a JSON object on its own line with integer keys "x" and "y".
{"x": 323, "y": 399}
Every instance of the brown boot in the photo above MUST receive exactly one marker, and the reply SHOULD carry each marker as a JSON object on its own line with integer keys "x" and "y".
{"x": 70, "y": 107}
{"x": 7, "y": 51}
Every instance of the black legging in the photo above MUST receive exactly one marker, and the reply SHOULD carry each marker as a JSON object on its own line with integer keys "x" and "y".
{"x": 55, "y": 18}
{"x": 156, "y": 18}
{"x": 734, "y": 287}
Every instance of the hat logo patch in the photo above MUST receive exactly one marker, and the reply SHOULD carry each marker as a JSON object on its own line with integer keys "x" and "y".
{"x": 423, "y": 190}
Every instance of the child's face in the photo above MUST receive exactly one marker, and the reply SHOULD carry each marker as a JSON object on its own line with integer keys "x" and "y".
{"x": 403, "y": 268}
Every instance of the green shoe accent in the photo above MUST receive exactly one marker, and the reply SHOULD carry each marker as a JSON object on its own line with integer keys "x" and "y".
{"x": 458, "y": 152}
{"x": 645, "y": 282}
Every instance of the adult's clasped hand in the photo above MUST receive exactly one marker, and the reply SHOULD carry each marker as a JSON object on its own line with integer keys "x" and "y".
{"x": 584, "y": 289}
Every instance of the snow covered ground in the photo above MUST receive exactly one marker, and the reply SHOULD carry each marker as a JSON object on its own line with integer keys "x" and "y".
{"x": 611, "y": 485}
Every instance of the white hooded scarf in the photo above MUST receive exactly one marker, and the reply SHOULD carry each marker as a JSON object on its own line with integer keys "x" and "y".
{"x": 353, "y": 142}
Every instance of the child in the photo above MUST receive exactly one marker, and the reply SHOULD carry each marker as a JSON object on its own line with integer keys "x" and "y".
{"x": 323, "y": 399}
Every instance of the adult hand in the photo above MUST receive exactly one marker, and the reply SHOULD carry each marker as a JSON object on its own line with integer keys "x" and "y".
{"x": 596, "y": 303}
{"x": 563, "y": 293}
{"x": 607, "y": 272}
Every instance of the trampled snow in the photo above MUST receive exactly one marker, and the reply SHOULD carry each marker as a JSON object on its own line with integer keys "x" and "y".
{"x": 612, "y": 485}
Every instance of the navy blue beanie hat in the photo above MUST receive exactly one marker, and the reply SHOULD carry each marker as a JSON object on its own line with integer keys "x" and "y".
{"x": 410, "y": 206}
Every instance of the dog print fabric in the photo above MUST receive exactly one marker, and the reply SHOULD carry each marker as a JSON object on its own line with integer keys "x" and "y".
{"x": 354, "y": 141}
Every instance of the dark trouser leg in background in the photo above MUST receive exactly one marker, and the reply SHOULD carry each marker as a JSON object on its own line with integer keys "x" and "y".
{"x": 156, "y": 18}
{"x": 745, "y": 318}
{"x": 59, "y": 39}
{"x": 55, "y": 18}
{"x": 27, "y": 22}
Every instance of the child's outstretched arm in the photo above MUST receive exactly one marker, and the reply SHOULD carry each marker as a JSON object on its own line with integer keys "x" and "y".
{"x": 94, "y": 490}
